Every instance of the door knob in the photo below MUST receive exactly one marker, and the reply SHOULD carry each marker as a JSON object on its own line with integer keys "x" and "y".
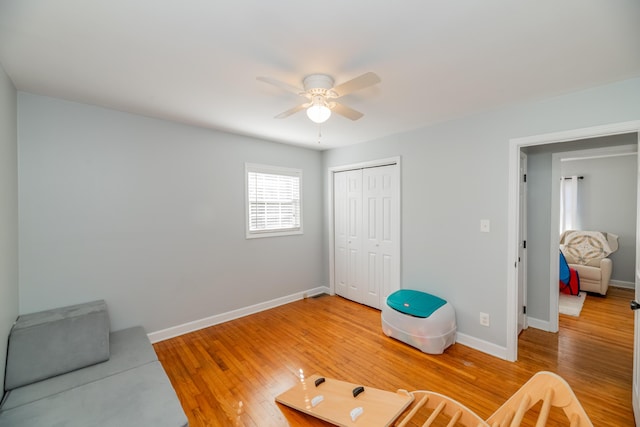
{"x": 634, "y": 305}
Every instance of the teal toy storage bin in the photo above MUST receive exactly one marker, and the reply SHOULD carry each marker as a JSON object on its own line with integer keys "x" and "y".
{"x": 419, "y": 319}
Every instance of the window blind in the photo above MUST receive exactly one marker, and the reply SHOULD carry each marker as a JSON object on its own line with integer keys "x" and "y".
{"x": 273, "y": 201}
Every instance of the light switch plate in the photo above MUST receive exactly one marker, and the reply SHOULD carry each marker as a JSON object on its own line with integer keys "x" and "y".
{"x": 484, "y": 319}
{"x": 485, "y": 225}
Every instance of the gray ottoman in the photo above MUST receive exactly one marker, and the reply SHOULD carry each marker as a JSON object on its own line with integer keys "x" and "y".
{"x": 54, "y": 342}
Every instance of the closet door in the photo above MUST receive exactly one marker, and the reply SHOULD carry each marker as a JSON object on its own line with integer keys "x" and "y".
{"x": 380, "y": 224}
{"x": 355, "y": 284}
{"x": 340, "y": 232}
{"x": 347, "y": 192}
{"x": 367, "y": 234}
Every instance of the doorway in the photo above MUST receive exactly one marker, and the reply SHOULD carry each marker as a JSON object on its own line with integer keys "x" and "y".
{"x": 606, "y": 190}
{"x": 609, "y": 166}
{"x": 515, "y": 147}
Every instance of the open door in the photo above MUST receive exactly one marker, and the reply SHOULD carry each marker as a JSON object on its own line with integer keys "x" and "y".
{"x": 636, "y": 351}
{"x": 635, "y": 397}
{"x": 522, "y": 246}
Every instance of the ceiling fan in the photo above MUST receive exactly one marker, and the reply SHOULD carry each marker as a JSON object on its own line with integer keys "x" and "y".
{"x": 320, "y": 92}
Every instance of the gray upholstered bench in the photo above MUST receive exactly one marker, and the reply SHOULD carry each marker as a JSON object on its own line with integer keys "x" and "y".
{"x": 65, "y": 368}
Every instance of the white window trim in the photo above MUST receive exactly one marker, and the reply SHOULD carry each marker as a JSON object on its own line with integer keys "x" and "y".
{"x": 254, "y": 167}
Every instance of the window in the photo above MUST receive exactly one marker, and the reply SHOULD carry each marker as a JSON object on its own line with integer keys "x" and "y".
{"x": 273, "y": 202}
{"x": 569, "y": 203}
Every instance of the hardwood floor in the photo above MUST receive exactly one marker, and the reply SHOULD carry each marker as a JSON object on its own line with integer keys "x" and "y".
{"x": 230, "y": 374}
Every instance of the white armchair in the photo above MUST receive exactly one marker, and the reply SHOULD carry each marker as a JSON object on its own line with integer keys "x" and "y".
{"x": 587, "y": 252}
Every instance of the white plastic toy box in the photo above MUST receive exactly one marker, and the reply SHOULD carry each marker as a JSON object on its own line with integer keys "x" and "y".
{"x": 419, "y": 319}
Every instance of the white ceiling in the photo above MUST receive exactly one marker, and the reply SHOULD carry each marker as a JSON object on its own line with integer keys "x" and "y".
{"x": 196, "y": 61}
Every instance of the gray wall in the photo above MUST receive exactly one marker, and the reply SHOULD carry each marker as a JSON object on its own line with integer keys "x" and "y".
{"x": 607, "y": 201}
{"x": 454, "y": 174}
{"x": 539, "y": 184}
{"x": 149, "y": 215}
{"x": 8, "y": 214}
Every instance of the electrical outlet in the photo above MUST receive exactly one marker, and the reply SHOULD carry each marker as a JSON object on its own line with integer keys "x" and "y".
{"x": 484, "y": 319}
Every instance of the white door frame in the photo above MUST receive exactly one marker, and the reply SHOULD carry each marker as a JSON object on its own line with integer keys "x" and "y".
{"x": 369, "y": 164}
{"x": 515, "y": 145}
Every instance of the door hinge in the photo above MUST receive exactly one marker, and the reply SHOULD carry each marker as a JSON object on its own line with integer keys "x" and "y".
{"x": 524, "y": 244}
{"x": 524, "y": 177}
{"x": 524, "y": 309}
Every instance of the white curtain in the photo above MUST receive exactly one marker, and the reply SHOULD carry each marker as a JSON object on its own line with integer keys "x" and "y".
{"x": 568, "y": 203}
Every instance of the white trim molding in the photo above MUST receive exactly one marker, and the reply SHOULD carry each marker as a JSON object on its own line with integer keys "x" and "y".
{"x": 622, "y": 284}
{"x": 481, "y": 345}
{"x": 539, "y": 324}
{"x": 576, "y": 134}
{"x": 195, "y": 325}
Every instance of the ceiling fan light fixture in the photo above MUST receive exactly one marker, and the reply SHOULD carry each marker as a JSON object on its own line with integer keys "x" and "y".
{"x": 320, "y": 91}
{"x": 318, "y": 113}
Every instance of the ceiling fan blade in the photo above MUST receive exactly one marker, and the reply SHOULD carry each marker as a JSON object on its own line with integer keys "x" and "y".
{"x": 282, "y": 85}
{"x": 291, "y": 111}
{"x": 345, "y": 111}
{"x": 361, "y": 82}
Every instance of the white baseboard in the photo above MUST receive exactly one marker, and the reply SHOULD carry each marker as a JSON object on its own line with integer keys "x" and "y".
{"x": 622, "y": 284}
{"x": 543, "y": 325}
{"x": 195, "y": 325}
{"x": 174, "y": 331}
{"x": 482, "y": 345}
{"x": 491, "y": 348}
